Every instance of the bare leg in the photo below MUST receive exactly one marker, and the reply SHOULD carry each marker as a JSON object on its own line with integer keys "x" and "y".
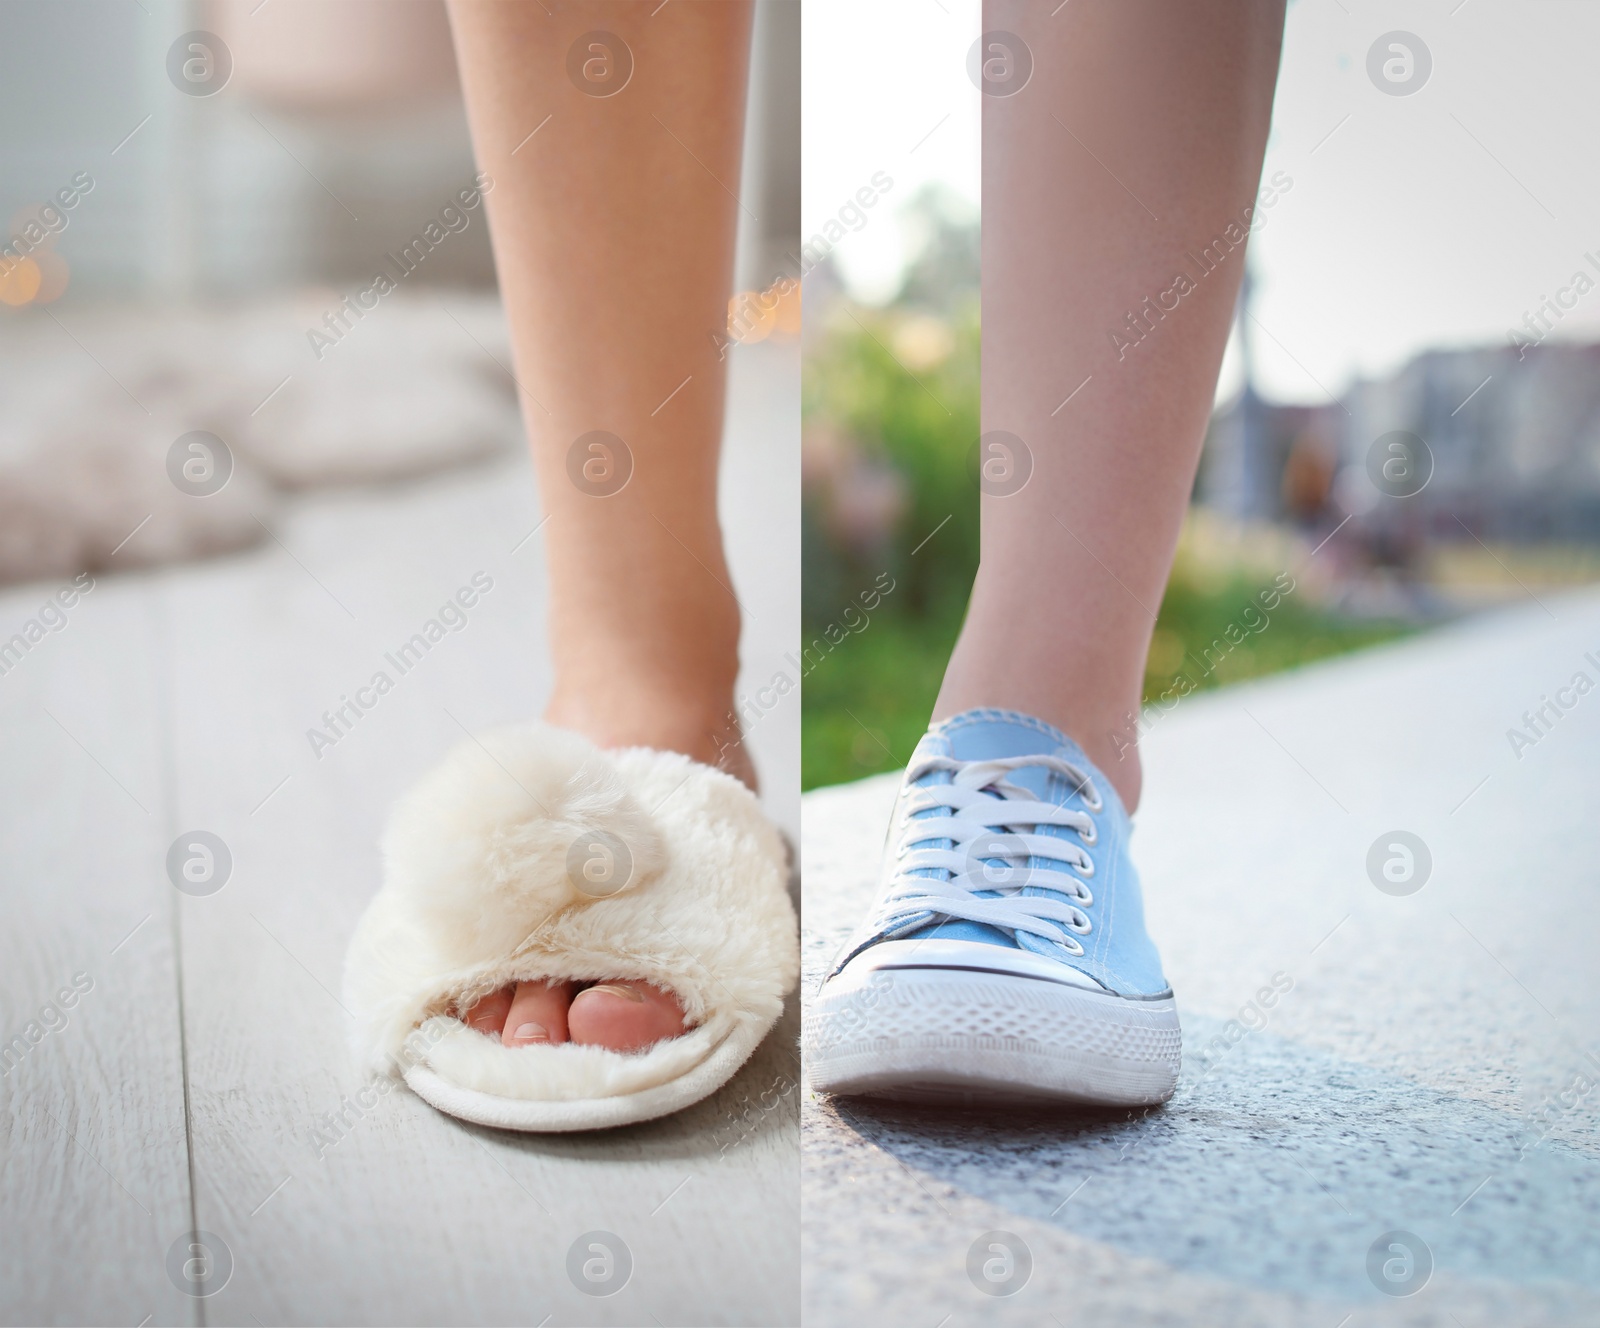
{"x": 614, "y": 246}
{"x": 614, "y": 222}
{"x": 1135, "y": 107}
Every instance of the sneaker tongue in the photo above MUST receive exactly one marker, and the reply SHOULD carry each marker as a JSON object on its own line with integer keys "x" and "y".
{"x": 981, "y": 735}
{"x": 977, "y": 735}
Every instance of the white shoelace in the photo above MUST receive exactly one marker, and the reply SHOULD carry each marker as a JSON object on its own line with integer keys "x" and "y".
{"x": 992, "y": 826}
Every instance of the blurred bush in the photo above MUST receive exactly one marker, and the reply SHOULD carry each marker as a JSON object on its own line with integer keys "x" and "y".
{"x": 891, "y": 414}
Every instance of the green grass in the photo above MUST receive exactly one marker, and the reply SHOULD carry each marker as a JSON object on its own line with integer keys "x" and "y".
{"x": 1193, "y": 640}
{"x": 886, "y": 678}
{"x": 867, "y": 702}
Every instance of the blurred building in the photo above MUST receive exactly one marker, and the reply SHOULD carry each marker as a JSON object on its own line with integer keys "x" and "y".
{"x": 1514, "y": 440}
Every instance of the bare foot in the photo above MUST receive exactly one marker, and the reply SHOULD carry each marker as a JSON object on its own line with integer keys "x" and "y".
{"x": 616, "y": 1013}
{"x": 621, "y": 1015}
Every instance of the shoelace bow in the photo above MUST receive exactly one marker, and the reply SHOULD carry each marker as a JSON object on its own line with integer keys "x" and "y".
{"x": 992, "y": 827}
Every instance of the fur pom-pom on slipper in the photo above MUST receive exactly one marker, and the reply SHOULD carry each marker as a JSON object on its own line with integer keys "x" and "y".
{"x": 528, "y": 854}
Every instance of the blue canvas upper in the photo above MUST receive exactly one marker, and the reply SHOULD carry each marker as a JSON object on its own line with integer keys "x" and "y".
{"x": 1117, "y": 950}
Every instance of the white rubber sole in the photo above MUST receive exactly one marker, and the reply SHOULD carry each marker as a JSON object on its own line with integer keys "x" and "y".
{"x": 960, "y": 1036}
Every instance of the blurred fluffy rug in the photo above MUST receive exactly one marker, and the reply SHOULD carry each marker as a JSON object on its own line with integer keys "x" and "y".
{"x": 156, "y": 435}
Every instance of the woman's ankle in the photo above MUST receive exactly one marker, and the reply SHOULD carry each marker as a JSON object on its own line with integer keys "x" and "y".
{"x": 1119, "y": 760}
{"x": 1115, "y": 753}
{"x": 1085, "y": 680}
{"x": 1107, "y": 733}
{"x": 617, "y": 713}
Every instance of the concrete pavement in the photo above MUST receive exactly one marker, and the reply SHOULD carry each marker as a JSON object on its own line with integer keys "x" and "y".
{"x": 1425, "y": 1065}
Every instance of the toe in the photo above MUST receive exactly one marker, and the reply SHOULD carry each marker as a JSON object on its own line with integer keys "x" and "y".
{"x": 538, "y": 1013}
{"x": 489, "y": 1014}
{"x": 625, "y": 1016}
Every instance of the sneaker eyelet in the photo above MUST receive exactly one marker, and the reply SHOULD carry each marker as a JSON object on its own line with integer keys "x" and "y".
{"x": 1091, "y": 796}
{"x": 1085, "y": 869}
{"x": 1091, "y": 837}
{"x": 1084, "y": 897}
{"x": 1072, "y": 947}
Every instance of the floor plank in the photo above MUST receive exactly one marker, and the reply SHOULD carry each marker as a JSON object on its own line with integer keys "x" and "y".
{"x": 94, "y": 1184}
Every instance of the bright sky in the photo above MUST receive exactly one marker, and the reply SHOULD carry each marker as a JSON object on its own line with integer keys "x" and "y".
{"x": 1434, "y": 219}
{"x": 884, "y": 88}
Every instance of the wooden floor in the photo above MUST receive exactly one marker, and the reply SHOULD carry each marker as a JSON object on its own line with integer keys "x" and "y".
{"x": 200, "y": 1078}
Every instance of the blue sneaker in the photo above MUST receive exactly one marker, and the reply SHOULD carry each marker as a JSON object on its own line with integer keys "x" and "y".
{"x": 1006, "y": 957}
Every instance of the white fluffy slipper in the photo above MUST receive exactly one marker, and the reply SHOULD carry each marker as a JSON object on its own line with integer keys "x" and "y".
{"x": 531, "y": 853}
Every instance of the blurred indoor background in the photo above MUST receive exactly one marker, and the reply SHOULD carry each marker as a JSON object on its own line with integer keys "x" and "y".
{"x": 208, "y": 235}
